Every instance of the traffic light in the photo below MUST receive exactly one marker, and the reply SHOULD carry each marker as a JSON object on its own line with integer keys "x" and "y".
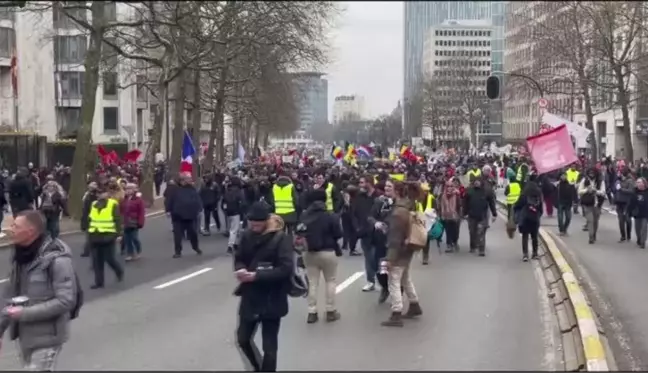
{"x": 493, "y": 87}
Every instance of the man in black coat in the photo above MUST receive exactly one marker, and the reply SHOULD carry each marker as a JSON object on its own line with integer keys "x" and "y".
{"x": 184, "y": 206}
{"x": 21, "y": 194}
{"x": 263, "y": 264}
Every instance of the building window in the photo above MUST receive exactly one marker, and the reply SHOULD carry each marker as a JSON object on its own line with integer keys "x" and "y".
{"x": 142, "y": 90}
{"x": 7, "y": 41}
{"x": 64, "y": 16}
{"x": 70, "y": 49}
{"x": 70, "y": 121}
{"x": 110, "y": 11}
{"x": 110, "y": 119}
{"x": 110, "y": 84}
{"x": 71, "y": 84}
{"x": 7, "y": 14}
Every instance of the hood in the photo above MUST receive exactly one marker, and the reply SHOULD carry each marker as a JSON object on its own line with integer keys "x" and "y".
{"x": 405, "y": 203}
{"x": 49, "y": 251}
{"x": 282, "y": 181}
{"x": 275, "y": 224}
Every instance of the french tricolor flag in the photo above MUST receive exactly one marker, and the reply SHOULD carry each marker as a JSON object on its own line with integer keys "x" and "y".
{"x": 188, "y": 152}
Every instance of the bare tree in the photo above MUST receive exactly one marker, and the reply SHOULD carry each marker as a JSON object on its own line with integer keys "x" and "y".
{"x": 455, "y": 103}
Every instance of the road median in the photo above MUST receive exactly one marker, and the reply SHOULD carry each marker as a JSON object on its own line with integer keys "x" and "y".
{"x": 584, "y": 344}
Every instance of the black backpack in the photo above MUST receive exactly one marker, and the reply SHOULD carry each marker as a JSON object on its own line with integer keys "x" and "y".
{"x": 74, "y": 312}
{"x": 533, "y": 210}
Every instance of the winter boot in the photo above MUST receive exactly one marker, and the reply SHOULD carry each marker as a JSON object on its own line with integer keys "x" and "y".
{"x": 396, "y": 319}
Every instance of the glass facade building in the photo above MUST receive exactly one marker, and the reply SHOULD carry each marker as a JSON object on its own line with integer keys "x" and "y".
{"x": 419, "y": 16}
{"x": 312, "y": 92}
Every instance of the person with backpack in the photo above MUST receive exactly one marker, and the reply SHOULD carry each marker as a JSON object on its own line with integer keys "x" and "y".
{"x": 399, "y": 253}
{"x": 322, "y": 234}
{"x": 264, "y": 266}
{"x": 52, "y": 204}
{"x": 42, "y": 295}
{"x": 527, "y": 212}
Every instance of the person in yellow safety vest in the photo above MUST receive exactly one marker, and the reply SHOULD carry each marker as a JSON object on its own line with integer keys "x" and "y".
{"x": 420, "y": 207}
{"x": 512, "y": 193}
{"x": 285, "y": 201}
{"x": 573, "y": 176}
{"x": 332, "y": 196}
{"x": 473, "y": 173}
{"x": 104, "y": 226}
{"x": 522, "y": 173}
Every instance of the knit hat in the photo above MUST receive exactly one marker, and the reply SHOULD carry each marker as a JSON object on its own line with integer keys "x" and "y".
{"x": 259, "y": 211}
{"x": 316, "y": 195}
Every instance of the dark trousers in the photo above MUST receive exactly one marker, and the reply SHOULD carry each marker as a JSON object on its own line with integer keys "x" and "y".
{"x": 104, "y": 253}
{"x": 549, "y": 207}
{"x": 451, "y": 232}
{"x": 380, "y": 252}
{"x": 477, "y": 233}
{"x": 52, "y": 226}
{"x": 349, "y": 234}
{"x": 370, "y": 258}
{"x": 533, "y": 234}
{"x": 182, "y": 227}
{"x": 625, "y": 221}
{"x": 564, "y": 218}
{"x": 208, "y": 213}
{"x": 157, "y": 184}
{"x": 253, "y": 359}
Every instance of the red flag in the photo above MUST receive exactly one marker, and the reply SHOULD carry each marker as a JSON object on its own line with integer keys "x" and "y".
{"x": 132, "y": 155}
{"x": 14, "y": 73}
{"x": 551, "y": 150}
{"x": 101, "y": 150}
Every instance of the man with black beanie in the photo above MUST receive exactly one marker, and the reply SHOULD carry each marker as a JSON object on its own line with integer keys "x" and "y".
{"x": 263, "y": 265}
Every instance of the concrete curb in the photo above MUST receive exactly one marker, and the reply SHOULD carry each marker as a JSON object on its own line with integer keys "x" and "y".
{"x": 69, "y": 233}
{"x": 583, "y": 341}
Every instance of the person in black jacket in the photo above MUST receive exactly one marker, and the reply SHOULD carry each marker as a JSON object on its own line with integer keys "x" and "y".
{"x": 477, "y": 201}
{"x": 209, "y": 196}
{"x": 234, "y": 206}
{"x": 322, "y": 235}
{"x": 565, "y": 199}
{"x": 639, "y": 209}
{"x": 263, "y": 264}
{"x": 21, "y": 192}
{"x": 184, "y": 207}
{"x": 528, "y": 211}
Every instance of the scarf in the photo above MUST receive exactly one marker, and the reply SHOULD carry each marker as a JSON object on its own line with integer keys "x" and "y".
{"x": 449, "y": 206}
{"x": 26, "y": 254}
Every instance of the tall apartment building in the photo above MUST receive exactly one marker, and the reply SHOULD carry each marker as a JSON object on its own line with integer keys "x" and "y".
{"x": 351, "y": 106}
{"x": 50, "y": 51}
{"x": 419, "y": 16}
{"x": 527, "y": 56}
{"x": 457, "y": 61}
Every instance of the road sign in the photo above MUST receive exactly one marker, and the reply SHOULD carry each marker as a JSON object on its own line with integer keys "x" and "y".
{"x": 543, "y": 103}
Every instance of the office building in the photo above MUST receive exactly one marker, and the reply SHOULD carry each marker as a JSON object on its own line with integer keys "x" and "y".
{"x": 348, "y": 108}
{"x": 311, "y": 90}
{"x": 456, "y": 62}
{"x": 418, "y": 18}
{"x": 49, "y": 53}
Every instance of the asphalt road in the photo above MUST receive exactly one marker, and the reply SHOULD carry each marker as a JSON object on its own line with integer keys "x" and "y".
{"x": 615, "y": 276}
{"x": 156, "y": 261}
{"x": 486, "y": 313}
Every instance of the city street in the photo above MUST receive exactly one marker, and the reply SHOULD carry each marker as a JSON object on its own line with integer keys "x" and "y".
{"x": 479, "y": 313}
{"x": 615, "y": 277}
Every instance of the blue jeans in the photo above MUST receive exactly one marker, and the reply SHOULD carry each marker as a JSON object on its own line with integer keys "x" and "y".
{"x": 132, "y": 241}
{"x": 564, "y": 218}
{"x": 52, "y": 226}
{"x": 371, "y": 264}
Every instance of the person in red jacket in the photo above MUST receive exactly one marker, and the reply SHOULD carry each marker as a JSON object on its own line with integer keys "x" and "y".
{"x": 133, "y": 214}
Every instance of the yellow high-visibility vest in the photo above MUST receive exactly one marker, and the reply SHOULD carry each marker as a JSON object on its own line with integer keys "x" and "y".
{"x": 428, "y": 206}
{"x": 283, "y": 199}
{"x": 476, "y": 173}
{"x": 398, "y": 177}
{"x": 514, "y": 193}
{"x": 518, "y": 176}
{"x": 102, "y": 221}
{"x": 572, "y": 176}
{"x": 329, "y": 197}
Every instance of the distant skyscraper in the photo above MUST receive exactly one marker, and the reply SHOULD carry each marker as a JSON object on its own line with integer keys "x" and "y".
{"x": 312, "y": 92}
{"x": 418, "y": 18}
{"x": 346, "y": 107}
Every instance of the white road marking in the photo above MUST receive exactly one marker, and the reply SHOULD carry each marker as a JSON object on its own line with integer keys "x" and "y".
{"x": 183, "y": 278}
{"x": 346, "y": 283}
{"x": 4, "y": 280}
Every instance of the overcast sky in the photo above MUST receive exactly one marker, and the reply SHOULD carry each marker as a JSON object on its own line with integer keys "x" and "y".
{"x": 368, "y": 55}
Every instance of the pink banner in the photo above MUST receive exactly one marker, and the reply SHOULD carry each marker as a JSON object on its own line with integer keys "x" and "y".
{"x": 551, "y": 150}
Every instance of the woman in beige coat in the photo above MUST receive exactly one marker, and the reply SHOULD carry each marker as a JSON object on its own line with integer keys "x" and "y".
{"x": 399, "y": 254}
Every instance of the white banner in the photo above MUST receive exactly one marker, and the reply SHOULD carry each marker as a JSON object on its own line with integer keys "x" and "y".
{"x": 579, "y": 133}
